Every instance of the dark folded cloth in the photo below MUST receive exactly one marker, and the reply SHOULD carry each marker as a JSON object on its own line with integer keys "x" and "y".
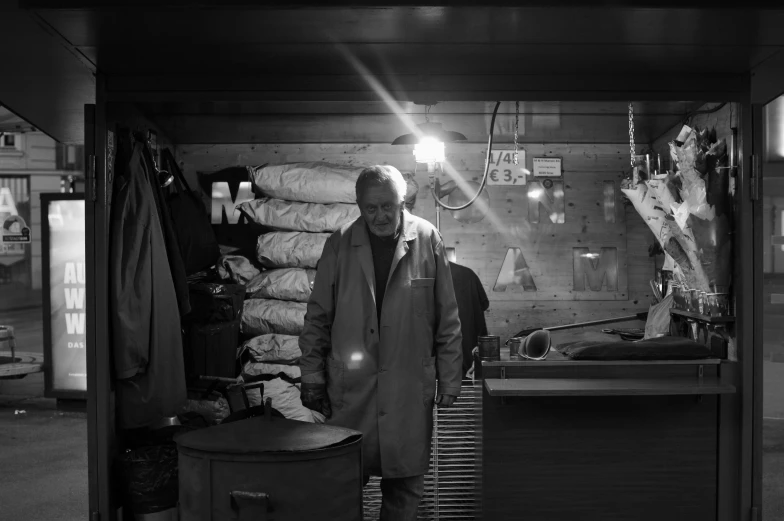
{"x": 662, "y": 348}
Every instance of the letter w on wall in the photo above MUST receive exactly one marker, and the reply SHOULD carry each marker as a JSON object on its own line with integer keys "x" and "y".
{"x": 596, "y": 268}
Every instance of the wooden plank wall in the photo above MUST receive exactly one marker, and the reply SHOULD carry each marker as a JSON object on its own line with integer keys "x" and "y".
{"x": 483, "y": 246}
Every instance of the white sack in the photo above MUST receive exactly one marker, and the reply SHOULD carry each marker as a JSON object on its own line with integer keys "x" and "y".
{"x": 290, "y": 249}
{"x": 258, "y": 368}
{"x": 286, "y": 400}
{"x": 237, "y": 268}
{"x": 301, "y": 217}
{"x": 283, "y": 284}
{"x": 262, "y": 317}
{"x": 316, "y": 182}
{"x": 272, "y": 349}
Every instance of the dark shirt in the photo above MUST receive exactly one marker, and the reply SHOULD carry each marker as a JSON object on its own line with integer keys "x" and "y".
{"x": 383, "y": 249}
{"x": 472, "y": 302}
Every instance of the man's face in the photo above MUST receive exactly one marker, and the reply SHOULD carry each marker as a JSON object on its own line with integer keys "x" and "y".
{"x": 381, "y": 208}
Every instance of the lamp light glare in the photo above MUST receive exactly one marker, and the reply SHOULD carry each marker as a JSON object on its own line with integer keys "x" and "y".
{"x": 429, "y": 150}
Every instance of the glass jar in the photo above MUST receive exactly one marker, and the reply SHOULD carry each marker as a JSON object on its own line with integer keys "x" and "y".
{"x": 677, "y": 296}
{"x": 722, "y": 304}
{"x": 701, "y": 303}
{"x": 711, "y": 307}
{"x": 694, "y": 300}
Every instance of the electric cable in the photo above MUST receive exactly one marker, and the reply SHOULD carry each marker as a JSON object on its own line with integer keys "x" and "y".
{"x": 484, "y": 177}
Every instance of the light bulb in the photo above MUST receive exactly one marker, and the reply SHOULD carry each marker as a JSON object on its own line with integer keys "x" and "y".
{"x": 429, "y": 150}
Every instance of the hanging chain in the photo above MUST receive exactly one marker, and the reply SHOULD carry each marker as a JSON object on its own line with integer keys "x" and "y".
{"x": 517, "y": 120}
{"x": 631, "y": 134}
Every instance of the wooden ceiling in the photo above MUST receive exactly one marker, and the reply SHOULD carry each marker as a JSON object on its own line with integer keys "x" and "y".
{"x": 376, "y": 122}
{"x": 177, "y": 55}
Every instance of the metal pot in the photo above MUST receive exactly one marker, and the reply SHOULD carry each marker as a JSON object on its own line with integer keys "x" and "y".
{"x": 270, "y": 468}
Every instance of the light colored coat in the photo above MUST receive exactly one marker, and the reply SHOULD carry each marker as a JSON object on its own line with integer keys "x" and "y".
{"x": 384, "y": 385}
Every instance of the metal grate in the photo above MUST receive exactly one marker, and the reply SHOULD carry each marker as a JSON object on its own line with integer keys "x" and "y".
{"x": 453, "y": 483}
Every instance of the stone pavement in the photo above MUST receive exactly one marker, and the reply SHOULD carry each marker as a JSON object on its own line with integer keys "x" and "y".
{"x": 43, "y": 454}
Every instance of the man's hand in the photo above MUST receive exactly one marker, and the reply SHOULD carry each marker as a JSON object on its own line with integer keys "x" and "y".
{"x": 445, "y": 400}
{"x": 314, "y": 397}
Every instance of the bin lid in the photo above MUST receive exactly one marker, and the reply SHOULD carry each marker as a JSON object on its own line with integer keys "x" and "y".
{"x": 264, "y": 435}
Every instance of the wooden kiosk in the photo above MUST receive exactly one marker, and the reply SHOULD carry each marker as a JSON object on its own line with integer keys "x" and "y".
{"x": 228, "y": 86}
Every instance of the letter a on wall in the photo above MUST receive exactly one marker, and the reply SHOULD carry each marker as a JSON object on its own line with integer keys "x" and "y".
{"x": 514, "y": 274}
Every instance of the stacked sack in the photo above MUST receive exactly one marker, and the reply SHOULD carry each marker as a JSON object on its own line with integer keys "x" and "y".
{"x": 302, "y": 204}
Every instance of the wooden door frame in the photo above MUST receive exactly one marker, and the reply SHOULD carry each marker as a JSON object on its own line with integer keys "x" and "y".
{"x": 100, "y": 396}
{"x": 736, "y": 477}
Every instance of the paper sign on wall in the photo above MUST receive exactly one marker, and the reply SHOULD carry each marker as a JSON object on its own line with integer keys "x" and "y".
{"x": 547, "y": 167}
{"x": 503, "y": 170}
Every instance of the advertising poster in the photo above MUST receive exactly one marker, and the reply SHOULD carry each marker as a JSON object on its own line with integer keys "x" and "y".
{"x": 15, "y": 238}
{"x": 67, "y": 295}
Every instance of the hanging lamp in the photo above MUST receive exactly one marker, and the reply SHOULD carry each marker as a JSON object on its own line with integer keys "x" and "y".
{"x": 429, "y": 144}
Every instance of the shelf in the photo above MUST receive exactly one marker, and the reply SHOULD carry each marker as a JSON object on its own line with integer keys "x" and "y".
{"x": 506, "y": 362}
{"x": 606, "y": 387}
{"x": 702, "y": 318}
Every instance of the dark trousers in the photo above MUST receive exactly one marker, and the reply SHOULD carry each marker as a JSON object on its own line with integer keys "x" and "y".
{"x": 400, "y": 497}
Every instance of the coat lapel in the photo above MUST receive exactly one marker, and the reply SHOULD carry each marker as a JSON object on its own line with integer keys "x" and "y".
{"x": 360, "y": 241}
{"x": 407, "y": 234}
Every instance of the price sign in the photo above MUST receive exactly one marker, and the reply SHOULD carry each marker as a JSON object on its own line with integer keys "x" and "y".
{"x": 547, "y": 167}
{"x": 503, "y": 171}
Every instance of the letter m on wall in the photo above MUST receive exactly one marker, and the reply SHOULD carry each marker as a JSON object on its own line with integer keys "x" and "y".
{"x": 598, "y": 270}
{"x": 224, "y": 202}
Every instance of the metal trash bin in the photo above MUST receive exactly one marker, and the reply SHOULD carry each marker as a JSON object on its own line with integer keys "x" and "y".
{"x": 269, "y": 468}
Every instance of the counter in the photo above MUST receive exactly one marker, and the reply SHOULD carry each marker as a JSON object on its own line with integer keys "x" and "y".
{"x": 621, "y": 440}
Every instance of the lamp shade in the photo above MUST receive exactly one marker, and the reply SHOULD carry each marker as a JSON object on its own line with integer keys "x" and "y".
{"x": 435, "y": 130}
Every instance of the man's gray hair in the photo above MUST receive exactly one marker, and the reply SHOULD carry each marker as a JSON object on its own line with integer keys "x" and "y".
{"x": 384, "y": 175}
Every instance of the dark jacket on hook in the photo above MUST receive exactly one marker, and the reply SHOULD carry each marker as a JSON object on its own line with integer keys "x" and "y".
{"x": 146, "y": 339}
{"x": 472, "y": 302}
{"x": 176, "y": 263}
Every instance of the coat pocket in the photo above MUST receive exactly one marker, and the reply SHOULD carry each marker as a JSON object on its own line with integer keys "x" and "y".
{"x": 422, "y": 296}
{"x": 335, "y": 384}
{"x": 429, "y": 380}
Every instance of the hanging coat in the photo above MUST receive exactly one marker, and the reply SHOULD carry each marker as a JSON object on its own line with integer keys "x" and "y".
{"x": 381, "y": 378}
{"x": 146, "y": 339}
{"x": 472, "y": 302}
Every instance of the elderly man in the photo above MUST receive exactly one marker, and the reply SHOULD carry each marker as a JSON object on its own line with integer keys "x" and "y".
{"x": 382, "y": 322}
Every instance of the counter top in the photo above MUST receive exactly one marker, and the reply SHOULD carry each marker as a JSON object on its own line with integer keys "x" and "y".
{"x": 606, "y": 386}
{"x": 556, "y": 359}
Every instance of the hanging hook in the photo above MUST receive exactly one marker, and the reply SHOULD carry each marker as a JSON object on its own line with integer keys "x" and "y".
{"x": 164, "y": 177}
